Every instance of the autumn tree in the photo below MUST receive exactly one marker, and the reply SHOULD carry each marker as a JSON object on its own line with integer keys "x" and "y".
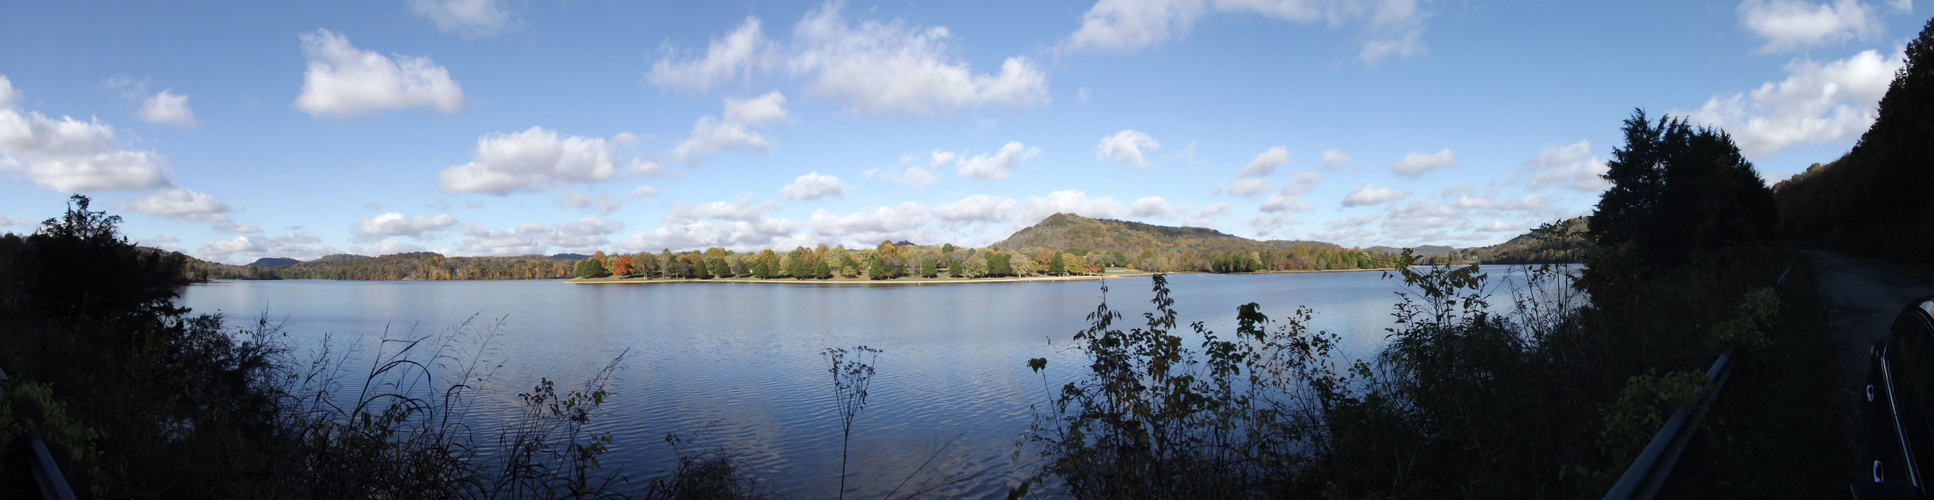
{"x": 624, "y": 267}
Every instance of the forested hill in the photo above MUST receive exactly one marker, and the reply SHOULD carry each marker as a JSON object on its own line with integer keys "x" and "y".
{"x": 1874, "y": 200}
{"x": 402, "y": 266}
{"x": 1109, "y": 235}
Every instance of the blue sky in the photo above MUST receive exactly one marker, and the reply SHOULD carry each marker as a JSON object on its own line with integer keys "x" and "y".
{"x": 503, "y": 127}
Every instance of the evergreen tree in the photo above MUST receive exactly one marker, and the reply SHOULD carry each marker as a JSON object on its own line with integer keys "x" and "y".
{"x": 928, "y": 270}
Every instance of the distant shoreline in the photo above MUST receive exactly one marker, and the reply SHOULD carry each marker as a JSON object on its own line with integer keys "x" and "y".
{"x": 926, "y": 281}
{"x": 856, "y": 281}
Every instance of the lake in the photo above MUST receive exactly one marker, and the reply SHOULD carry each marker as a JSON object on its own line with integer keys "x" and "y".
{"x": 737, "y": 367}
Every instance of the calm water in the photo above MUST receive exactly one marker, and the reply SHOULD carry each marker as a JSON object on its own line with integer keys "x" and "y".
{"x": 740, "y": 365}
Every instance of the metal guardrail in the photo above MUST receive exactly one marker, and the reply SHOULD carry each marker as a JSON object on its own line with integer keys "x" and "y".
{"x": 53, "y": 484}
{"x": 1649, "y": 471}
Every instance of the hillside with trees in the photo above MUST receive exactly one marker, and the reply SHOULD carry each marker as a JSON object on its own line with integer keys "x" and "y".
{"x": 1874, "y": 201}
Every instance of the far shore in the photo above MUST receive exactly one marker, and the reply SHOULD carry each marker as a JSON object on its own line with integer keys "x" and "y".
{"x": 924, "y": 281}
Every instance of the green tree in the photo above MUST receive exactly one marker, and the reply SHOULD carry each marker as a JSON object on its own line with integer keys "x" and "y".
{"x": 821, "y": 270}
{"x": 718, "y": 267}
{"x": 928, "y": 270}
{"x": 591, "y": 268}
{"x": 974, "y": 267}
{"x": 1056, "y": 266}
{"x": 759, "y": 270}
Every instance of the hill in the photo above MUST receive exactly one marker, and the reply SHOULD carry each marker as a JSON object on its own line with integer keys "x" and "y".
{"x": 274, "y": 262}
{"x": 1109, "y": 235}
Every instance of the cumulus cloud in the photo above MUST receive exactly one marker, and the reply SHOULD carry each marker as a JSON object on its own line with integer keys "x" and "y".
{"x": 1831, "y": 103}
{"x": 70, "y": 155}
{"x": 1370, "y": 194}
{"x": 977, "y": 208}
{"x": 396, "y": 224}
{"x": 236, "y": 228}
{"x": 813, "y": 186}
{"x": 1384, "y": 28}
{"x": 744, "y": 208}
{"x": 1267, "y": 225}
{"x": 1152, "y": 206}
{"x": 1416, "y": 164}
{"x": 584, "y": 235}
{"x": 908, "y": 175}
{"x": 345, "y": 82}
{"x": 165, "y": 242}
{"x": 644, "y": 192}
{"x": 906, "y": 222}
{"x": 245, "y": 249}
{"x": 179, "y": 203}
{"x": 1291, "y": 197}
{"x": 387, "y": 246}
{"x": 465, "y": 17}
{"x": 740, "y": 225}
{"x": 1126, "y": 146}
{"x": 1570, "y": 167}
{"x": 726, "y": 59}
{"x": 168, "y": 108}
{"x": 586, "y": 201}
{"x": 880, "y": 68}
{"x": 1265, "y": 163}
{"x": 1070, "y": 201}
{"x": 874, "y": 68}
{"x": 997, "y": 166}
{"x": 1795, "y": 24}
{"x": 733, "y": 132}
{"x": 530, "y": 161}
{"x": 1334, "y": 160}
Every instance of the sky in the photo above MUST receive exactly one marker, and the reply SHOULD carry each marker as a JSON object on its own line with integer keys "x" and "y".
{"x": 244, "y": 130}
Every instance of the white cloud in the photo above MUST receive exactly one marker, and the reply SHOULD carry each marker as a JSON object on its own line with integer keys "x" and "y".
{"x": 1000, "y": 165}
{"x": 976, "y": 208}
{"x": 396, "y": 224}
{"x": 1082, "y": 94}
{"x": 1385, "y": 28}
{"x": 1070, "y": 201}
{"x": 466, "y": 17}
{"x": 906, "y": 222}
{"x": 1265, "y": 163}
{"x": 1152, "y": 206}
{"x": 582, "y": 236}
{"x": 1830, "y": 103}
{"x": 530, "y": 161}
{"x": 643, "y": 192}
{"x": 1420, "y": 214}
{"x": 874, "y": 68}
{"x": 237, "y": 228}
{"x": 1290, "y": 199}
{"x": 1416, "y": 164}
{"x": 1570, "y": 167}
{"x": 813, "y": 186}
{"x": 165, "y": 242}
{"x": 344, "y": 82}
{"x": 1270, "y": 224}
{"x": 908, "y": 175}
{"x": 1205, "y": 218}
{"x": 1498, "y": 226}
{"x": 1334, "y": 160}
{"x": 180, "y": 203}
{"x": 1248, "y": 187}
{"x": 642, "y": 166}
{"x": 70, "y": 155}
{"x": 586, "y": 201}
{"x": 745, "y": 208}
{"x": 1126, "y": 146}
{"x": 4, "y": 222}
{"x": 168, "y": 108}
{"x": 1370, "y": 194}
{"x": 1795, "y": 24}
{"x": 245, "y": 249}
{"x": 726, "y": 59}
{"x": 732, "y": 133}
{"x": 891, "y": 68}
{"x": 386, "y": 246}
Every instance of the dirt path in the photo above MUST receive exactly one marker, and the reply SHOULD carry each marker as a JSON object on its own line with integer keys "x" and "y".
{"x": 1862, "y": 299}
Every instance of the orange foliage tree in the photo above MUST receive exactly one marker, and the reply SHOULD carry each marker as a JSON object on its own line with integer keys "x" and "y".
{"x": 624, "y": 267}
